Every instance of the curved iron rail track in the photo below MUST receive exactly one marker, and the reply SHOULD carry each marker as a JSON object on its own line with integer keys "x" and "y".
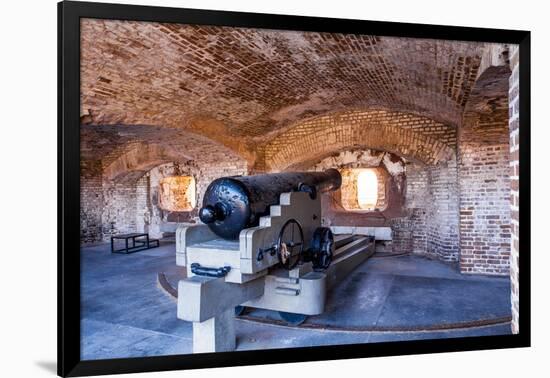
{"x": 457, "y": 326}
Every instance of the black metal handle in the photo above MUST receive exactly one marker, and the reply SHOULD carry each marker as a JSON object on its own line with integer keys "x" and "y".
{"x": 199, "y": 270}
{"x": 271, "y": 250}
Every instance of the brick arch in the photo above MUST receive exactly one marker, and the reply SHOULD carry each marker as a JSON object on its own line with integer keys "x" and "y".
{"x": 129, "y": 148}
{"x": 126, "y": 152}
{"x": 381, "y": 131}
{"x": 137, "y": 160}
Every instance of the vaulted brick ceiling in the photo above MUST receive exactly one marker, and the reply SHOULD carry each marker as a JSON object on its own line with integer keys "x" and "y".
{"x": 252, "y": 82}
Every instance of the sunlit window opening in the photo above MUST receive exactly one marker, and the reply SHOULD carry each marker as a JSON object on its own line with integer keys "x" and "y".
{"x": 177, "y": 193}
{"x": 367, "y": 189}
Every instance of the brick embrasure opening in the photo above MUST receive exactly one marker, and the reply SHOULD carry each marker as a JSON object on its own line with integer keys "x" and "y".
{"x": 363, "y": 189}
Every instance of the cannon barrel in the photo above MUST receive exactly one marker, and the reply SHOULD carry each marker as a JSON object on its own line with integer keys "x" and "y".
{"x": 231, "y": 204}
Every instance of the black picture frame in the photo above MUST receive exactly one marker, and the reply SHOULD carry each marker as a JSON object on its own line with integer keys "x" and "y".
{"x": 69, "y": 14}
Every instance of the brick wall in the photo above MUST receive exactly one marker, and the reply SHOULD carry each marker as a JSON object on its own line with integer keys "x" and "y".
{"x": 426, "y": 221}
{"x": 443, "y": 211}
{"x": 514, "y": 181}
{"x": 143, "y": 204}
{"x": 341, "y": 208}
{"x": 91, "y": 201}
{"x": 428, "y": 224}
{"x": 203, "y": 174}
{"x": 431, "y": 225}
{"x": 119, "y": 213}
{"x": 131, "y": 204}
{"x": 485, "y": 210}
{"x": 417, "y": 204}
{"x": 484, "y": 178}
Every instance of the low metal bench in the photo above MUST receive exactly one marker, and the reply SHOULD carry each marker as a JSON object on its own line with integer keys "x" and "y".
{"x": 133, "y": 242}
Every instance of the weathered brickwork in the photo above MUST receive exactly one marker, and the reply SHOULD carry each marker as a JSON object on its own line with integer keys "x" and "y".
{"x": 485, "y": 210}
{"x": 417, "y": 203}
{"x": 427, "y": 221}
{"x": 403, "y": 234}
{"x": 119, "y": 214}
{"x": 91, "y": 201}
{"x": 513, "y": 97}
{"x": 413, "y": 137}
{"x": 442, "y": 212}
{"x": 116, "y": 201}
{"x": 256, "y": 81}
{"x": 134, "y": 206}
{"x": 143, "y": 204}
{"x": 161, "y": 220}
{"x": 341, "y": 207}
{"x": 484, "y": 178}
{"x": 431, "y": 225}
{"x": 131, "y": 148}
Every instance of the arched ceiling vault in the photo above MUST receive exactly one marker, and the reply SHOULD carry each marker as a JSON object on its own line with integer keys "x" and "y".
{"x": 212, "y": 90}
{"x": 241, "y": 86}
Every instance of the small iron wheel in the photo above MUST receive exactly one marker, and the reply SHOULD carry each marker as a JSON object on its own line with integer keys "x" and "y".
{"x": 292, "y": 318}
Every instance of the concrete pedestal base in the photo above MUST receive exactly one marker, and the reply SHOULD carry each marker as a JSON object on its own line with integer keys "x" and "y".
{"x": 216, "y": 334}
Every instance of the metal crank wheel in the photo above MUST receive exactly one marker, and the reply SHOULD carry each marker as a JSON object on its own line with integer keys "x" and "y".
{"x": 322, "y": 248}
{"x": 290, "y": 244}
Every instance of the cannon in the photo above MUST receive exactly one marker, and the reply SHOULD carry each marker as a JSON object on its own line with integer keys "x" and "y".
{"x": 262, "y": 245}
{"x": 231, "y": 204}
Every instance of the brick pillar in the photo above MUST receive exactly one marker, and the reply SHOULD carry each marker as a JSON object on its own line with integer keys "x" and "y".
{"x": 483, "y": 176}
{"x": 513, "y": 104}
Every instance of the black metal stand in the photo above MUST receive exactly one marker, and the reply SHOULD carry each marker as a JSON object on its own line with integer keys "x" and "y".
{"x": 140, "y": 242}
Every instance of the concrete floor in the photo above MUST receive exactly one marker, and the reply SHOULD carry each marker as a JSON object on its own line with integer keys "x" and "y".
{"x": 124, "y": 313}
